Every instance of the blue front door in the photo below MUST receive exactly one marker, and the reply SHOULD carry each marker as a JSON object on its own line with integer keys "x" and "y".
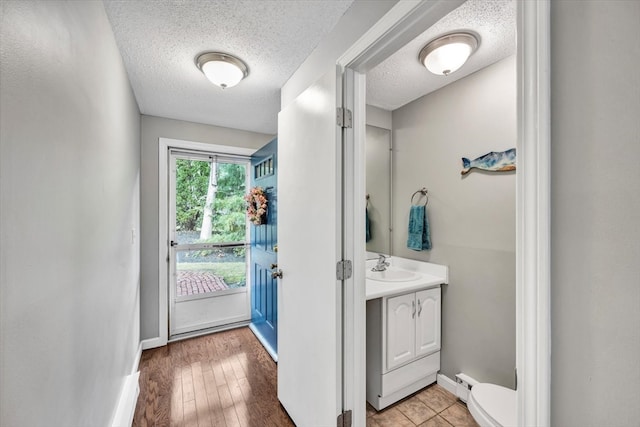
{"x": 264, "y": 240}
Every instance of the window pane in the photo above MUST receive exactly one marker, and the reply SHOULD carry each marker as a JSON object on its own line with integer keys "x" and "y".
{"x": 192, "y": 181}
{"x": 209, "y": 201}
{"x": 229, "y": 223}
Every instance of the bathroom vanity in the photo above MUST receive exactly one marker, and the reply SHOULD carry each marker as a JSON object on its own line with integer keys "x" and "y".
{"x": 403, "y": 328}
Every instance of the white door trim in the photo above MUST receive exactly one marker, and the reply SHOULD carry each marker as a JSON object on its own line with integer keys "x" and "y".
{"x": 163, "y": 225}
{"x": 533, "y": 230}
{"x": 401, "y": 24}
{"x": 353, "y": 290}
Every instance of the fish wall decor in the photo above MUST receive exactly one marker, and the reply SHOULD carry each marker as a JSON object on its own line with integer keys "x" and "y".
{"x": 494, "y": 161}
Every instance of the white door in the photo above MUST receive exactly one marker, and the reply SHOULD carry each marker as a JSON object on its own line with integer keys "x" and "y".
{"x": 309, "y": 246}
{"x": 428, "y": 321}
{"x": 208, "y": 238}
{"x": 401, "y": 330}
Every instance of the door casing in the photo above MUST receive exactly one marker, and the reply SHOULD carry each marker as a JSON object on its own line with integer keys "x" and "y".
{"x": 191, "y": 314}
{"x": 164, "y": 144}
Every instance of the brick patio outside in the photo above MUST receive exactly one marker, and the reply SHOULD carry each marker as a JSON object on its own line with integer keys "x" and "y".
{"x": 199, "y": 282}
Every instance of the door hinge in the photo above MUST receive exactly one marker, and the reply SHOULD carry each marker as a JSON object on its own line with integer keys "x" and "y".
{"x": 344, "y": 269}
{"x": 344, "y": 419}
{"x": 344, "y": 117}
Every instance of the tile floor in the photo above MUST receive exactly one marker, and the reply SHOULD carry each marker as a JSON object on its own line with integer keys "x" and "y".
{"x": 430, "y": 407}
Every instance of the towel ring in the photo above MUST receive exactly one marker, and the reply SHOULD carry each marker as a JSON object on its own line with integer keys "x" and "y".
{"x": 422, "y": 191}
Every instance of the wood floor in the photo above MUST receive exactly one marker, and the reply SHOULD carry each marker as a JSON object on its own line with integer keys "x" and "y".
{"x": 227, "y": 379}
{"x": 223, "y": 379}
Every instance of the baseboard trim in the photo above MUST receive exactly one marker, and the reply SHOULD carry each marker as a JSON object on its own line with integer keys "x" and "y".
{"x": 136, "y": 361}
{"x": 123, "y": 416}
{"x": 152, "y": 343}
{"x": 447, "y": 383}
{"x": 127, "y": 404}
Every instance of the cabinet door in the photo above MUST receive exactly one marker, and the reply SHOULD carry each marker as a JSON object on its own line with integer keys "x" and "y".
{"x": 401, "y": 330}
{"x": 428, "y": 321}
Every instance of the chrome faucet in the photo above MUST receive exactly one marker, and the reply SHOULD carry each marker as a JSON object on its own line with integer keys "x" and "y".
{"x": 382, "y": 264}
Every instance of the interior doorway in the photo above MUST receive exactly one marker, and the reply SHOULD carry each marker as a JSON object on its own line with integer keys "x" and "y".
{"x": 532, "y": 199}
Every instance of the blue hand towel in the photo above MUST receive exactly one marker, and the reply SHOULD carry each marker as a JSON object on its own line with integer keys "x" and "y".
{"x": 419, "y": 234}
{"x": 367, "y": 223}
{"x": 426, "y": 232}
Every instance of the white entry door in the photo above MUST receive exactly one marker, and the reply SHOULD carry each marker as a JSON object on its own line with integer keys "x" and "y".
{"x": 309, "y": 246}
{"x": 208, "y": 241}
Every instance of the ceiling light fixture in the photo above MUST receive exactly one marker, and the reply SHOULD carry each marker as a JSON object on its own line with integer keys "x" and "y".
{"x": 222, "y": 69}
{"x": 448, "y": 53}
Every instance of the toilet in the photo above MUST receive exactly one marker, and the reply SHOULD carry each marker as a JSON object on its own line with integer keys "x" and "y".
{"x": 492, "y": 405}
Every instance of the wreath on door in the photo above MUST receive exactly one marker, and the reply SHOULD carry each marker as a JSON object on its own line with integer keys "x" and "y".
{"x": 256, "y": 205}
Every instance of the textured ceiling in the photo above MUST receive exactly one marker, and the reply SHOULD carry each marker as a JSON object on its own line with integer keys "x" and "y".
{"x": 401, "y": 78}
{"x": 159, "y": 40}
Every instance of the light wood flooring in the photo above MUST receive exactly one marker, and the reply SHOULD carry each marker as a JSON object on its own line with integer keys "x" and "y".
{"x": 227, "y": 379}
{"x": 223, "y": 379}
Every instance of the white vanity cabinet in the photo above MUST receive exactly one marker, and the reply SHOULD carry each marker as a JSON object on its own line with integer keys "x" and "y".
{"x": 403, "y": 345}
{"x": 428, "y": 323}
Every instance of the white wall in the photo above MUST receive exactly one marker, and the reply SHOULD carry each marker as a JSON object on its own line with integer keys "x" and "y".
{"x": 472, "y": 218}
{"x": 69, "y": 182}
{"x": 360, "y": 16}
{"x": 378, "y": 117}
{"x": 595, "y": 213}
{"x": 154, "y": 128}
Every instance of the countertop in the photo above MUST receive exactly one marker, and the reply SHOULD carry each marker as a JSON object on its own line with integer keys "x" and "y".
{"x": 429, "y": 276}
{"x": 378, "y": 289}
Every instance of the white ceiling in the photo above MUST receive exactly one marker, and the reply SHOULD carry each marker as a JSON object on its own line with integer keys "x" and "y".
{"x": 160, "y": 39}
{"x": 402, "y": 78}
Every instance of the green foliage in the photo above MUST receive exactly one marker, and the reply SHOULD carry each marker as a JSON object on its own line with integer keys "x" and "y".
{"x": 229, "y": 223}
{"x": 192, "y": 180}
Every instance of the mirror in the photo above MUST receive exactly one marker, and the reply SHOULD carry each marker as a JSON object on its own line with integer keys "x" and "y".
{"x": 378, "y": 183}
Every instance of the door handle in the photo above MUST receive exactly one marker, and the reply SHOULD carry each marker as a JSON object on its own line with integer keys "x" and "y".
{"x": 277, "y": 274}
{"x": 419, "y": 308}
{"x": 413, "y": 306}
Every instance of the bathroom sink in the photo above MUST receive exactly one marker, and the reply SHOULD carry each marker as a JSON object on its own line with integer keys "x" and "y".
{"x": 391, "y": 275}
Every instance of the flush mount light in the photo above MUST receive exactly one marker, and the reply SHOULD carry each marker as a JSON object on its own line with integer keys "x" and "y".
{"x": 447, "y": 54}
{"x": 222, "y": 69}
